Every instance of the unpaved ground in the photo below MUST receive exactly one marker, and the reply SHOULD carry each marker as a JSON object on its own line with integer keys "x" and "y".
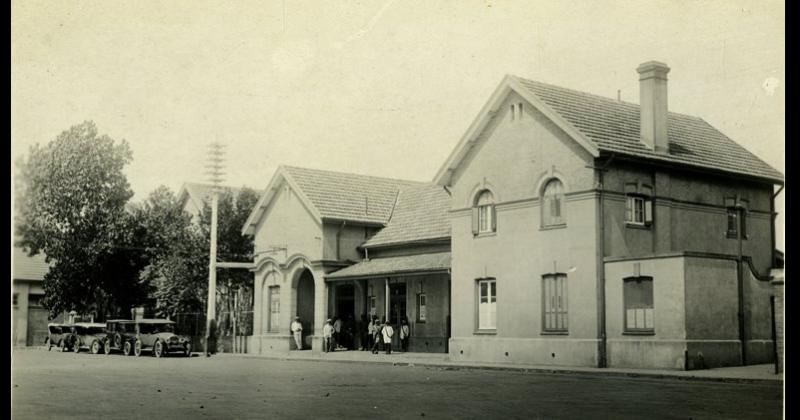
{"x": 83, "y": 386}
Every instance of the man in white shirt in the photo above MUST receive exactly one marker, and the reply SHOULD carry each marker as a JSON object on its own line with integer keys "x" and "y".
{"x": 297, "y": 331}
{"x": 327, "y": 334}
{"x": 387, "y": 332}
{"x": 337, "y": 332}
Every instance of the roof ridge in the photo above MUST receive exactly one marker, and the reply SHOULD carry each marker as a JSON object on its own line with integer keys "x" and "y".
{"x": 599, "y": 97}
{"x": 375, "y": 177}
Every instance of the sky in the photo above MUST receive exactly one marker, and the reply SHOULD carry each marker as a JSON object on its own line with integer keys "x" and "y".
{"x": 382, "y": 88}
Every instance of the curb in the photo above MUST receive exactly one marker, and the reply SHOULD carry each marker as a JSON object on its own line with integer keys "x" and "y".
{"x": 525, "y": 369}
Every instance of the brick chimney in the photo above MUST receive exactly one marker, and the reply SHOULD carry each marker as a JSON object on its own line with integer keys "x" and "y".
{"x": 653, "y": 105}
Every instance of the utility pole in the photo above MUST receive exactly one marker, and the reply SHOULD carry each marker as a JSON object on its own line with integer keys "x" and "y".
{"x": 215, "y": 174}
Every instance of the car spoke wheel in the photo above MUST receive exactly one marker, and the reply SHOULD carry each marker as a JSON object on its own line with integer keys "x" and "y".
{"x": 95, "y": 346}
{"x": 126, "y": 349}
{"x": 62, "y": 346}
{"x": 158, "y": 349}
{"x": 76, "y": 346}
{"x": 187, "y": 351}
{"x": 107, "y": 347}
{"x": 137, "y": 348}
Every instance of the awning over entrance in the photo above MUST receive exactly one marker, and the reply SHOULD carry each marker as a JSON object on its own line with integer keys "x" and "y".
{"x": 407, "y": 264}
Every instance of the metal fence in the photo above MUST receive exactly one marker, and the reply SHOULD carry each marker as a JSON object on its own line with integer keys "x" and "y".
{"x": 232, "y": 329}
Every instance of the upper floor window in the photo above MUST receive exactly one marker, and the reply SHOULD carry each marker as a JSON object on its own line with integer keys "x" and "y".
{"x": 638, "y": 210}
{"x": 737, "y": 217}
{"x": 553, "y": 203}
{"x": 483, "y": 214}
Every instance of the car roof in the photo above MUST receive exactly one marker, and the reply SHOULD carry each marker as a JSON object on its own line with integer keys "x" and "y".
{"x": 59, "y": 324}
{"x": 155, "y": 321}
{"x": 89, "y": 324}
{"x": 121, "y": 321}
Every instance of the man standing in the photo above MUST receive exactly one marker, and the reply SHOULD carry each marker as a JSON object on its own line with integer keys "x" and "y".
{"x": 337, "y": 332}
{"x": 387, "y": 333}
{"x": 327, "y": 335}
{"x": 405, "y": 332}
{"x": 297, "y": 330}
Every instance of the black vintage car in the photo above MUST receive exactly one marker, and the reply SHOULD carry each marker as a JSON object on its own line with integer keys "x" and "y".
{"x": 87, "y": 335}
{"x": 120, "y": 335}
{"x": 158, "y": 337}
{"x": 58, "y": 335}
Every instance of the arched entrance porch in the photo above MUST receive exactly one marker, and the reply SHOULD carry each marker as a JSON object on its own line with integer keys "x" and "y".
{"x": 305, "y": 291}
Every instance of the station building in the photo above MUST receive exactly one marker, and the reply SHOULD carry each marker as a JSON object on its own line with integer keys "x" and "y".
{"x": 564, "y": 229}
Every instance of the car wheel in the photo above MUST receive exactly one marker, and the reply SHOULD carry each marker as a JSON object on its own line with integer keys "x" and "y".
{"x": 62, "y": 346}
{"x": 48, "y": 344}
{"x": 137, "y": 348}
{"x": 95, "y": 347}
{"x": 107, "y": 346}
{"x": 187, "y": 350}
{"x": 76, "y": 346}
{"x": 127, "y": 349}
{"x": 158, "y": 349}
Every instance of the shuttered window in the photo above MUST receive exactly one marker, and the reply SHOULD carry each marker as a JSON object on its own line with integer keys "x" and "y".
{"x": 483, "y": 214}
{"x": 274, "y": 308}
{"x": 553, "y": 204}
{"x": 638, "y": 210}
{"x": 554, "y": 304}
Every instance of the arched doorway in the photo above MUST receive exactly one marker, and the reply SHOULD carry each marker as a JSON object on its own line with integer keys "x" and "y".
{"x": 305, "y": 305}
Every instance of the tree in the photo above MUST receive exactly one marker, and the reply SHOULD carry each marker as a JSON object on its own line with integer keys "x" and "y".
{"x": 232, "y": 246}
{"x": 72, "y": 195}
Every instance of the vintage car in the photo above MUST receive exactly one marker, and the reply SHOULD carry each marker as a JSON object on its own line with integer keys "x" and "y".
{"x": 158, "y": 336}
{"x": 87, "y": 335}
{"x": 120, "y": 335}
{"x": 58, "y": 335}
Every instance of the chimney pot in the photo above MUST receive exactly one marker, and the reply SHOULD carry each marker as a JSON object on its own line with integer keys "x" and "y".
{"x": 653, "y": 105}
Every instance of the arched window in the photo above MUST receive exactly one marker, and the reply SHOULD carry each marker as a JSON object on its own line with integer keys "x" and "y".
{"x": 483, "y": 213}
{"x": 553, "y": 203}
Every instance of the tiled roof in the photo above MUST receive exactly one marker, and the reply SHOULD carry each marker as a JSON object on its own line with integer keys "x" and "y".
{"x": 351, "y": 197}
{"x": 395, "y": 265}
{"x": 29, "y": 268}
{"x": 421, "y": 213}
{"x": 614, "y": 127}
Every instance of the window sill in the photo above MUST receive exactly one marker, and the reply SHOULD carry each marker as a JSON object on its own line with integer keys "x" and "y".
{"x": 553, "y": 227}
{"x": 735, "y": 236}
{"x": 639, "y": 333}
{"x": 484, "y": 332}
{"x": 637, "y": 226}
{"x": 485, "y": 235}
{"x": 555, "y": 333}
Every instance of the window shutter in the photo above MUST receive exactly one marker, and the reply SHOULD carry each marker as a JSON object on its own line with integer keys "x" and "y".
{"x": 648, "y": 211}
{"x": 475, "y": 221}
{"x": 494, "y": 218}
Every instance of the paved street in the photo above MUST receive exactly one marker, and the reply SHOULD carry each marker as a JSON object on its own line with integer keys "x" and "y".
{"x": 66, "y": 385}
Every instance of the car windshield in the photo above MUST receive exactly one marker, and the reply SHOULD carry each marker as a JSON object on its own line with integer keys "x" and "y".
{"x": 95, "y": 330}
{"x": 55, "y": 330}
{"x": 155, "y": 328}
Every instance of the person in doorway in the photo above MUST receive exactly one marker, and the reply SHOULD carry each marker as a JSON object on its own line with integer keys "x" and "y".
{"x": 337, "y": 332}
{"x": 327, "y": 336}
{"x": 371, "y": 334}
{"x": 388, "y": 333}
{"x": 297, "y": 331}
{"x": 405, "y": 332}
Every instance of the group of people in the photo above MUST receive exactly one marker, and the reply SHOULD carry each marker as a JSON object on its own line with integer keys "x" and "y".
{"x": 375, "y": 336}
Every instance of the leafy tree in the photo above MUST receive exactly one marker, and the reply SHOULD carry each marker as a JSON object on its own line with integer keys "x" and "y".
{"x": 72, "y": 195}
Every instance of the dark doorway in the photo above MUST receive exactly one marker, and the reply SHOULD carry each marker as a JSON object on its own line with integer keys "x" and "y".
{"x": 397, "y": 302}
{"x": 305, "y": 305}
{"x": 345, "y": 301}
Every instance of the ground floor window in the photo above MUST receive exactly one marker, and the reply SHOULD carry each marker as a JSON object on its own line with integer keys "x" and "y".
{"x": 554, "y": 305}
{"x": 638, "y": 297}
{"x": 487, "y": 304}
{"x": 274, "y": 308}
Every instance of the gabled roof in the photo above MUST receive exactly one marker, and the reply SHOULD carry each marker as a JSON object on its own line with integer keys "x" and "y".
{"x": 29, "y": 268}
{"x": 612, "y": 126}
{"x": 334, "y": 196}
{"x": 421, "y": 214}
{"x": 201, "y": 193}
